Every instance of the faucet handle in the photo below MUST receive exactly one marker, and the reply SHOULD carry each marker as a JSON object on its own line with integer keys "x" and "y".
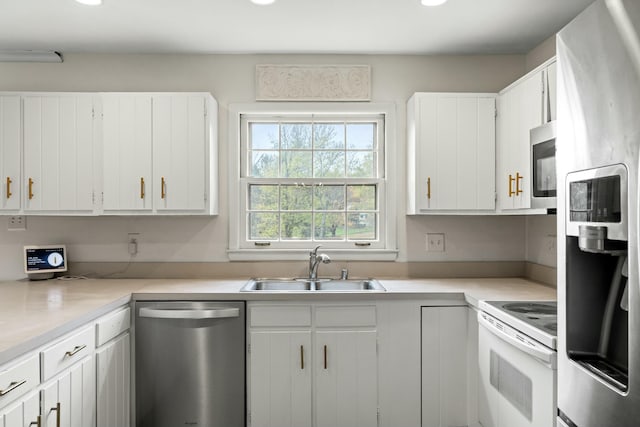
{"x": 314, "y": 252}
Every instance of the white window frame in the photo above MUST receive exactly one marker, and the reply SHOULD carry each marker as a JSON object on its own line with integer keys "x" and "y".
{"x": 384, "y": 248}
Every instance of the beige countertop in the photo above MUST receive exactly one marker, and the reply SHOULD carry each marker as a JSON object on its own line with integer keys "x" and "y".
{"x": 33, "y": 313}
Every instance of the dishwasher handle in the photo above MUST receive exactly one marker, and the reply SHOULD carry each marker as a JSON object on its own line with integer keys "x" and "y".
{"x": 189, "y": 314}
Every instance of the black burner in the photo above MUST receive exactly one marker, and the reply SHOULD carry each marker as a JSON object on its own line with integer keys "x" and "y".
{"x": 531, "y": 308}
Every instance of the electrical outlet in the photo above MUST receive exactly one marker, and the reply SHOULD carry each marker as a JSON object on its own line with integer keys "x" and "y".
{"x": 435, "y": 242}
{"x": 133, "y": 243}
{"x": 17, "y": 223}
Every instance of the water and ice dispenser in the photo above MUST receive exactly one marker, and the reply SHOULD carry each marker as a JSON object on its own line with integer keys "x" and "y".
{"x": 597, "y": 272}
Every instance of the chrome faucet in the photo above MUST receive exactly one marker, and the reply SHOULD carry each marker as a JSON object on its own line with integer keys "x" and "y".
{"x": 314, "y": 262}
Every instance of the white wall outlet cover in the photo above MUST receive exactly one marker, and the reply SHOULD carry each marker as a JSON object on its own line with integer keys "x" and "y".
{"x": 17, "y": 223}
{"x": 435, "y": 242}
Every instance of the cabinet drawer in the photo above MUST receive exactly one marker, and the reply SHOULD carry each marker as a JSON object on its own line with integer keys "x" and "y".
{"x": 67, "y": 352}
{"x": 359, "y": 315}
{"x": 19, "y": 379}
{"x": 112, "y": 325}
{"x": 280, "y": 316}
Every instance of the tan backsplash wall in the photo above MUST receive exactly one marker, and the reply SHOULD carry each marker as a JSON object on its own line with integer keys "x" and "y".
{"x": 201, "y": 242}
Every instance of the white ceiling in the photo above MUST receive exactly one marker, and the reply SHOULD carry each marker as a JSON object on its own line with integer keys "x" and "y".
{"x": 287, "y": 26}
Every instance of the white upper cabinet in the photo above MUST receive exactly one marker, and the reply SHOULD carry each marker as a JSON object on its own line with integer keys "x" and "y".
{"x": 108, "y": 153}
{"x": 160, "y": 154}
{"x": 182, "y": 148}
{"x": 10, "y": 152}
{"x": 451, "y": 153}
{"x": 58, "y": 138}
{"x": 526, "y": 104}
{"x": 127, "y": 153}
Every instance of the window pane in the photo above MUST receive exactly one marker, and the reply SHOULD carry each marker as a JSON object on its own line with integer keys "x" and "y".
{"x": 263, "y": 197}
{"x": 328, "y": 136}
{"x": 360, "y": 165}
{"x": 264, "y": 164}
{"x": 264, "y": 136}
{"x": 295, "y": 164}
{"x": 361, "y": 226}
{"x": 329, "y": 226}
{"x": 295, "y": 136}
{"x": 296, "y": 197}
{"x": 360, "y": 136}
{"x": 361, "y": 197}
{"x": 263, "y": 226}
{"x": 329, "y": 198}
{"x": 328, "y": 164}
{"x": 296, "y": 226}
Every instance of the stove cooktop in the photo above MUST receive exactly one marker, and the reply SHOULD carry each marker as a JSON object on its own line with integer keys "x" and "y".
{"x": 537, "y": 319}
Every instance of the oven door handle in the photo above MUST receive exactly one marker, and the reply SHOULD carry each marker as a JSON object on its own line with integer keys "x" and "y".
{"x": 548, "y": 357}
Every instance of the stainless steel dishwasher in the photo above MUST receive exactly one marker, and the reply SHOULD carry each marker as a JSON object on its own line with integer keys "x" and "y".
{"x": 190, "y": 364}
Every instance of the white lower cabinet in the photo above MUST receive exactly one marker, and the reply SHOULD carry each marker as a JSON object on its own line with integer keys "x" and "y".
{"x": 444, "y": 367}
{"x": 113, "y": 383}
{"x": 80, "y": 387}
{"x": 346, "y": 378}
{"x": 24, "y": 413}
{"x": 313, "y": 365}
{"x": 280, "y": 392}
{"x": 113, "y": 370}
{"x": 69, "y": 400}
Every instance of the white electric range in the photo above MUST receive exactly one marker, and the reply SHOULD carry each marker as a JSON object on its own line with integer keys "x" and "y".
{"x": 518, "y": 359}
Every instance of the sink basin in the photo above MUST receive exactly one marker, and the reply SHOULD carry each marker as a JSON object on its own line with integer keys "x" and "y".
{"x": 277, "y": 285}
{"x": 320, "y": 285}
{"x": 350, "y": 285}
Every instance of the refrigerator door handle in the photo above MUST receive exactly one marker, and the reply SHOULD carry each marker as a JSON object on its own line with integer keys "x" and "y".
{"x": 219, "y": 313}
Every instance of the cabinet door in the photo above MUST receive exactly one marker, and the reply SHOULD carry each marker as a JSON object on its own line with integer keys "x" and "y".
{"x": 444, "y": 366}
{"x": 71, "y": 397}
{"x": 23, "y": 413}
{"x": 520, "y": 109}
{"x": 113, "y": 376}
{"x": 346, "y": 389}
{"x": 58, "y": 153}
{"x": 10, "y": 152}
{"x": 179, "y": 152}
{"x": 126, "y": 132}
{"x": 456, "y": 164}
{"x": 280, "y": 379}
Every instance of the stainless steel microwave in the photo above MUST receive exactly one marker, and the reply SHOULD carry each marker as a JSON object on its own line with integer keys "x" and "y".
{"x": 543, "y": 166}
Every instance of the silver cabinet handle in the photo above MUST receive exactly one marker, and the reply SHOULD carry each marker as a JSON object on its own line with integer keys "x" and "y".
{"x": 75, "y": 350}
{"x": 14, "y": 385}
{"x": 217, "y": 313}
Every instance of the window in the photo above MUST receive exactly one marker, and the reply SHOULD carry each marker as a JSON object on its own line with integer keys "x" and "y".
{"x": 311, "y": 178}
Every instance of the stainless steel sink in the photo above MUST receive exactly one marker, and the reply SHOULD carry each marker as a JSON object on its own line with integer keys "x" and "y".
{"x": 306, "y": 285}
{"x": 350, "y": 285}
{"x": 277, "y": 285}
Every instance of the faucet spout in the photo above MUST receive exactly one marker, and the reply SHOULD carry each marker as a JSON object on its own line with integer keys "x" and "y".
{"x": 314, "y": 262}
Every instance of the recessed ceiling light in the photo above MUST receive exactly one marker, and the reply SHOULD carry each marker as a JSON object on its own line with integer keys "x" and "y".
{"x": 90, "y": 2}
{"x": 262, "y": 2}
{"x": 432, "y": 2}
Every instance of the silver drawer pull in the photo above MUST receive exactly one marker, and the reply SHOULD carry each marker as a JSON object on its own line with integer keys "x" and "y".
{"x": 14, "y": 385}
{"x": 75, "y": 350}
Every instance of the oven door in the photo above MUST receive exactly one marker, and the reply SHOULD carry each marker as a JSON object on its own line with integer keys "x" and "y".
{"x": 517, "y": 385}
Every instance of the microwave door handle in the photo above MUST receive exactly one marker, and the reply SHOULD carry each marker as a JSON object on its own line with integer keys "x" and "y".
{"x": 549, "y": 357}
{"x": 218, "y": 313}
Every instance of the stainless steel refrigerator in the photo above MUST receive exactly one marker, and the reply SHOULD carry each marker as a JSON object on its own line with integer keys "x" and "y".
{"x": 597, "y": 146}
